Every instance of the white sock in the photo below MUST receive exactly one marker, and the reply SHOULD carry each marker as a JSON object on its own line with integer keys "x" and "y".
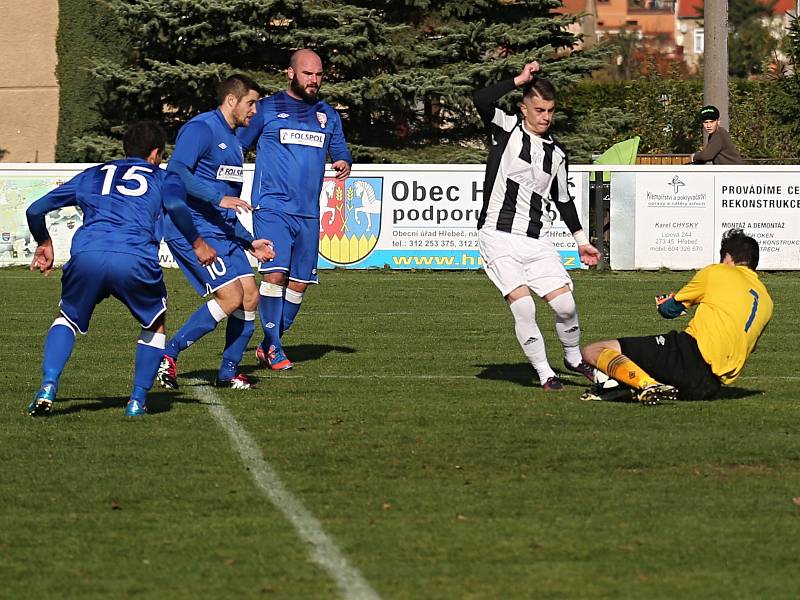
{"x": 216, "y": 310}
{"x": 151, "y": 338}
{"x": 529, "y": 336}
{"x": 271, "y": 290}
{"x": 293, "y": 296}
{"x": 567, "y": 326}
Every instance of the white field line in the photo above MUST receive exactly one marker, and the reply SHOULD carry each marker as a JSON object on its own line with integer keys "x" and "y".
{"x": 323, "y": 549}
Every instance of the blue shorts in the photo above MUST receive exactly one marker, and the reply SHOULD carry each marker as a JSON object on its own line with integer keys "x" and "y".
{"x": 231, "y": 264}
{"x": 91, "y": 277}
{"x": 295, "y": 241}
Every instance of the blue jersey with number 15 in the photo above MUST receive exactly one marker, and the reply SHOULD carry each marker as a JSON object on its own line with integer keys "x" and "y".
{"x": 122, "y": 203}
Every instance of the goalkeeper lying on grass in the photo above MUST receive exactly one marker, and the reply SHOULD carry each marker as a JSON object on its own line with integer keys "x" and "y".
{"x": 733, "y": 308}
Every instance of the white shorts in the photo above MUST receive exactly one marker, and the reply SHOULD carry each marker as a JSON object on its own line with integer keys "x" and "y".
{"x": 512, "y": 260}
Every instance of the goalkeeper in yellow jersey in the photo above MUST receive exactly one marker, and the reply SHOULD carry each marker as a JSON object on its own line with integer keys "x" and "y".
{"x": 733, "y": 308}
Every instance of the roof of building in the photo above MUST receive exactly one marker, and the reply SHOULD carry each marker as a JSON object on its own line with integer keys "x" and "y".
{"x": 692, "y": 9}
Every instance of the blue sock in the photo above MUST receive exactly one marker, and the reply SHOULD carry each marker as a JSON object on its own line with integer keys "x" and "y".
{"x": 149, "y": 351}
{"x": 271, "y": 311}
{"x": 227, "y": 370}
{"x": 58, "y": 347}
{"x": 240, "y": 328}
{"x": 139, "y": 394}
{"x": 291, "y": 306}
{"x": 203, "y": 321}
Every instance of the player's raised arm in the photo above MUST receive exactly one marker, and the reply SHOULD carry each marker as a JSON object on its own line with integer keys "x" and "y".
{"x": 486, "y": 98}
{"x": 527, "y": 74}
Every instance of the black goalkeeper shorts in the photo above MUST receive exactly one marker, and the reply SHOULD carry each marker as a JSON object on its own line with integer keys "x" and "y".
{"x": 675, "y": 359}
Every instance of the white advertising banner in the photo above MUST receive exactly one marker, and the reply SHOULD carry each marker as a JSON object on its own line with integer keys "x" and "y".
{"x": 679, "y": 216}
{"x": 416, "y": 217}
{"x": 768, "y": 210}
{"x": 674, "y": 220}
{"x": 19, "y": 187}
{"x": 386, "y": 216}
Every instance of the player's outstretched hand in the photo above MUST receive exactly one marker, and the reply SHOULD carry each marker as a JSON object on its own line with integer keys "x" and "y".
{"x": 342, "y": 168}
{"x": 262, "y": 250}
{"x": 205, "y": 254}
{"x": 590, "y": 255}
{"x": 43, "y": 258}
{"x": 527, "y": 74}
{"x": 668, "y": 307}
{"x": 239, "y": 205}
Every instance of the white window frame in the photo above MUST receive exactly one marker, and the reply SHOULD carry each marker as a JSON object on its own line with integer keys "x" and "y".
{"x": 699, "y": 40}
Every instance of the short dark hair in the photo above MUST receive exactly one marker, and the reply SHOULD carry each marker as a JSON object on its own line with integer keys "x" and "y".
{"x": 742, "y": 248}
{"x": 142, "y": 137}
{"x": 539, "y": 87}
{"x": 237, "y": 84}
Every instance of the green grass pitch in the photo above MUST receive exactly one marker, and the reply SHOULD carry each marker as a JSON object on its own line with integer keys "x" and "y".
{"x": 411, "y": 431}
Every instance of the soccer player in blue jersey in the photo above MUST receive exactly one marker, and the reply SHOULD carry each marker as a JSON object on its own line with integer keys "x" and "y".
{"x": 295, "y": 131}
{"x": 208, "y": 159}
{"x": 114, "y": 253}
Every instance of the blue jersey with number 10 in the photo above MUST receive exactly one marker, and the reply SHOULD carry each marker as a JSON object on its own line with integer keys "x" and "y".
{"x": 122, "y": 203}
{"x": 208, "y": 147}
{"x": 294, "y": 137}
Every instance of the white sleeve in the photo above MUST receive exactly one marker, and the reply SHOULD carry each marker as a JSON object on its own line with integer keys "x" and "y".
{"x": 503, "y": 120}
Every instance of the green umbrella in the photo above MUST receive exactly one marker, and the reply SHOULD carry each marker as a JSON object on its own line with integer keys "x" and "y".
{"x": 621, "y": 153}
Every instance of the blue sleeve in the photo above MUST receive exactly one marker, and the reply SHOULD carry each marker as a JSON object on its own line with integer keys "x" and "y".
{"x": 174, "y": 200}
{"x": 63, "y": 195}
{"x": 671, "y": 308}
{"x": 194, "y": 185}
{"x": 338, "y": 148}
{"x": 248, "y": 135}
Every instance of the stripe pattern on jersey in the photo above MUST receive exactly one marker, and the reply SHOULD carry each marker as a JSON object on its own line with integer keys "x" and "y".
{"x": 525, "y": 175}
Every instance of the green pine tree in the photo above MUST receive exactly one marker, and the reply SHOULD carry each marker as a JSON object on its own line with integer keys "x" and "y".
{"x": 401, "y": 72}
{"x": 750, "y": 42}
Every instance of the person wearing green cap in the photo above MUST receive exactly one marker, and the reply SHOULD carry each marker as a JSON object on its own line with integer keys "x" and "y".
{"x": 719, "y": 149}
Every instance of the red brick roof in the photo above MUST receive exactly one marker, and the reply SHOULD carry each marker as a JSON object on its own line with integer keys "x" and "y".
{"x": 688, "y": 9}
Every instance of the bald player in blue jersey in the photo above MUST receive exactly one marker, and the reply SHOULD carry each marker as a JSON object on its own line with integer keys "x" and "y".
{"x": 294, "y": 132}
{"x": 114, "y": 253}
{"x": 208, "y": 159}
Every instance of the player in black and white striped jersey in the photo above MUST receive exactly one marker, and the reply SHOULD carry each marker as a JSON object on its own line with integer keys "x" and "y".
{"x": 525, "y": 190}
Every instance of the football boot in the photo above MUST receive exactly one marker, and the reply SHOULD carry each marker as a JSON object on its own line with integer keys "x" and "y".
{"x": 657, "y": 393}
{"x": 274, "y": 358}
{"x": 43, "y": 401}
{"x": 167, "y": 375}
{"x": 237, "y": 382}
{"x": 582, "y": 368}
{"x": 134, "y": 408}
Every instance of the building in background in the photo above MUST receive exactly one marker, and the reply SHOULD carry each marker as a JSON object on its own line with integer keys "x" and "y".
{"x": 689, "y": 26}
{"x": 653, "y": 21}
{"x": 672, "y": 29}
{"x": 28, "y": 86}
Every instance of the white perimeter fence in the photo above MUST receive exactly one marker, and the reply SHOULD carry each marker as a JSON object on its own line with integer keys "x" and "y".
{"x": 424, "y": 216}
